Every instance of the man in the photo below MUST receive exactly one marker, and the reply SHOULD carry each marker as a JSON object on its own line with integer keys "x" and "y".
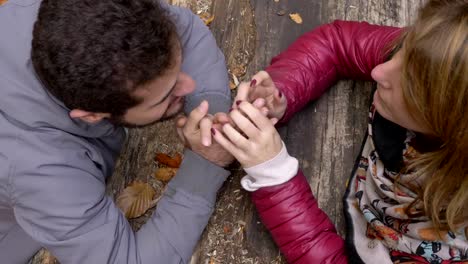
{"x": 67, "y": 81}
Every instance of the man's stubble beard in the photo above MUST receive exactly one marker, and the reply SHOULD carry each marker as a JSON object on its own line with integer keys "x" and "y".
{"x": 166, "y": 116}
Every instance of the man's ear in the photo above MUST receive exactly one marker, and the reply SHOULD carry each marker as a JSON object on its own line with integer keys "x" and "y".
{"x": 89, "y": 117}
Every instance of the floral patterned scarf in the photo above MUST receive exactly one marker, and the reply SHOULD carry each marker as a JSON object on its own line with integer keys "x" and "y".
{"x": 379, "y": 228}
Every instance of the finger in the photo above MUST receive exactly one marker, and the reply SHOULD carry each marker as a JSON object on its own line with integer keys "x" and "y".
{"x": 256, "y": 116}
{"x": 225, "y": 143}
{"x": 217, "y": 126}
{"x": 259, "y": 103}
{"x": 262, "y": 78}
{"x": 181, "y": 121}
{"x": 279, "y": 97}
{"x": 235, "y": 137}
{"x": 244, "y": 124}
{"x": 205, "y": 126}
{"x": 274, "y": 120}
{"x": 242, "y": 93}
{"x": 264, "y": 111}
{"x": 196, "y": 116}
{"x": 221, "y": 118}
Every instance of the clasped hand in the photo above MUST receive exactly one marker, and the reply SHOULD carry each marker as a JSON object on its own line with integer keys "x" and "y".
{"x": 246, "y": 133}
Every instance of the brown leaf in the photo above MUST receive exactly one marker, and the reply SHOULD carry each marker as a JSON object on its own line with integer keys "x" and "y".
{"x": 233, "y": 82}
{"x": 136, "y": 199}
{"x": 2, "y": 2}
{"x": 165, "y": 174}
{"x": 236, "y": 80}
{"x": 238, "y": 70}
{"x": 207, "y": 18}
{"x": 232, "y": 85}
{"x": 296, "y": 18}
{"x": 164, "y": 159}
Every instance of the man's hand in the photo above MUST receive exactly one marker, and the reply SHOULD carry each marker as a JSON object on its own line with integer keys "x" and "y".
{"x": 195, "y": 132}
{"x": 262, "y": 86}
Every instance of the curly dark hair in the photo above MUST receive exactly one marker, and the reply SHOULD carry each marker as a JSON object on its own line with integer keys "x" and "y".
{"x": 92, "y": 54}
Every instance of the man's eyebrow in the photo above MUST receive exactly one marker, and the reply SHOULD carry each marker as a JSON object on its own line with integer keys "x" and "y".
{"x": 165, "y": 97}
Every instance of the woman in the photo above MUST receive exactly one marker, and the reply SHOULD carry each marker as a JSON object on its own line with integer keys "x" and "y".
{"x": 407, "y": 198}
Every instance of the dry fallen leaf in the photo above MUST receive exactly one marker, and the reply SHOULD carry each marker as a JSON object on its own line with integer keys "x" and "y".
{"x": 236, "y": 81}
{"x": 165, "y": 174}
{"x": 232, "y": 85}
{"x": 238, "y": 70}
{"x": 136, "y": 199}
{"x": 2, "y": 2}
{"x": 296, "y": 18}
{"x": 164, "y": 159}
{"x": 207, "y": 19}
{"x": 212, "y": 260}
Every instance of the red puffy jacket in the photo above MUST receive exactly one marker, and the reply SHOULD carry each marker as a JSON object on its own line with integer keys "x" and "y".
{"x": 303, "y": 72}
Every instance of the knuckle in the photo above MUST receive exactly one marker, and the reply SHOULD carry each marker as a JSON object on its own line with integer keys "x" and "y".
{"x": 227, "y": 127}
{"x": 264, "y": 141}
{"x": 243, "y": 157}
{"x": 253, "y": 148}
{"x": 265, "y": 74}
{"x": 205, "y": 122}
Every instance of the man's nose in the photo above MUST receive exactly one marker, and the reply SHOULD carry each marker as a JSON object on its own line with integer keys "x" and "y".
{"x": 185, "y": 85}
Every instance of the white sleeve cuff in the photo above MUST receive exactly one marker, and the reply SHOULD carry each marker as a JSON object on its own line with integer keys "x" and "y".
{"x": 275, "y": 171}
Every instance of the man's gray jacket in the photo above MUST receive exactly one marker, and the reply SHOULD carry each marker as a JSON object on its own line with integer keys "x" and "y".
{"x": 53, "y": 168}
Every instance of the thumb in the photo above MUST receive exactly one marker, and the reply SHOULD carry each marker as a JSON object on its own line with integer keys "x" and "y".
{"x": 196, "y": 116}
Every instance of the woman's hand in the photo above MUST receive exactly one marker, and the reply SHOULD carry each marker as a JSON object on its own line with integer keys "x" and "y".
{"x": 256, "y": 141}
{"x": 262, "y": 86}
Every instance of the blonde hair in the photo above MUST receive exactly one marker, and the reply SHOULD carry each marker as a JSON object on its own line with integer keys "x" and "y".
{"x": 435, "y": 89}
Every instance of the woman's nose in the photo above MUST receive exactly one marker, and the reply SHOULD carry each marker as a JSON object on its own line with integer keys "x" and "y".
{"x": 380, "y": 75}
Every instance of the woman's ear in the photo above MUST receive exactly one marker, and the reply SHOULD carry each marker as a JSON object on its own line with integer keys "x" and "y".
{"x": 89, "y": 117}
